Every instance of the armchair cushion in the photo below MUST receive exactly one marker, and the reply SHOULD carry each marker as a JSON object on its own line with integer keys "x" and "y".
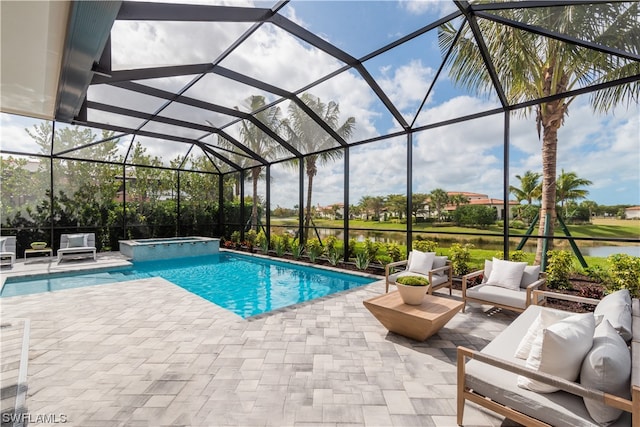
{"x": 497, "y": 295}
{"x": 421, "y": 262}
{"x": 77, "y": 241}
{"x": 506, "y": 274}
{"x": 607, "y": 367}
{"x": 616, "y": 308}
{"x": 530, "y": 275}
{"x": 559, "y": 350}
{"x": 439, "y": 262}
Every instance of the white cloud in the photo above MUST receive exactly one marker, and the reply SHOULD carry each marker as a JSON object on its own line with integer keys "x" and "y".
{"x": 419, "y": 7}
{"x": 408, "y": 84}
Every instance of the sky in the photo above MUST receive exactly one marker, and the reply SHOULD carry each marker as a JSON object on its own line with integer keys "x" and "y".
{"x": 604, "y": 149}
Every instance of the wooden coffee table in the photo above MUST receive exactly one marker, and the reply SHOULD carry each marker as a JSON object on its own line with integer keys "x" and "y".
{"x": 418, "y": 322}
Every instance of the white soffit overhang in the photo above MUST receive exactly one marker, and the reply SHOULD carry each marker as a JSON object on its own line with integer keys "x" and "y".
{"x": 32, "y": 46}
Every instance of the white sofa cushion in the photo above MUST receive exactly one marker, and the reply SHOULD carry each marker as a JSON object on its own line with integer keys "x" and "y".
{"x": 421, "y": 262}
{"x": 558, "y": 409}
{"x": 607, "y": 367}
{"x": 545, "y": 319}
{"x": 559, "y": 350}
{"x": 506, "y": 274}
{"x": 616, "y": 308}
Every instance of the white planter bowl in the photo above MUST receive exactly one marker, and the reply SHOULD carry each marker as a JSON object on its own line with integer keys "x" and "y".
{"x": 412, "y": 295}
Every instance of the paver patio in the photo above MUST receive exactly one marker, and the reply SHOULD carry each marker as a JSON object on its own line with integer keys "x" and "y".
{"x": 148, "y": 353}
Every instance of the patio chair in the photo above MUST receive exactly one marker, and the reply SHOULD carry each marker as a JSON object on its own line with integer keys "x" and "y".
{"x": 438, "y": 272}
{"x": 7, "y": 250}
{"x": 505, "y": 284}
{"x": 77, "y": 245}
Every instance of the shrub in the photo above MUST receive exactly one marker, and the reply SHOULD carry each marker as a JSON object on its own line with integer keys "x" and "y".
{"x": 330, "y": 243}
{"x": 362, "y": 260}
{"x": 516, "y": 256}
{"x": 558, "y": 269}
{"x": 384, "y": 259}
{"x": 250, "y": 237}
{"x": 371, "y": 249}
{"x": 413, "y": 281}
{"x": 262, "y": 242}
{"x": 460, "y": 256}
{"x": 474, "y": 215}
{"x": 333, "y": 255}
{"x": 393, "y": 252}
{"x": 425, "y": 245}
{"x": 235, "y": 237}
{"x": 352, "y": 248}
{"x": 624, "y": 273}
{"x": 296, "y": 249}
{"x": 280, "y": 245}
{"x": 314, "y": 249}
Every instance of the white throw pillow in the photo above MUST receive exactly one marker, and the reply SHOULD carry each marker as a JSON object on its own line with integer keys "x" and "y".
{"x": 487, "y": 270}
{"x": 616, "y": 308}
{"x": 439, "y": 262}
{"x": 559, "y": 350}
{"x": 607, "y": 367}
{"x": 421, "y": 262}
{"x": 545, "y": 319}
{"x": 506, "y": 274}
{"x": 530, "y": 275}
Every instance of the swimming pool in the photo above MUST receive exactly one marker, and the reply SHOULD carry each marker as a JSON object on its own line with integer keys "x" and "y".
{"x": 248, "y": 286}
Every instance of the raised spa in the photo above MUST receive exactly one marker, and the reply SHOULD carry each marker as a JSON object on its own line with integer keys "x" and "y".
{"x": 171, "y": 247}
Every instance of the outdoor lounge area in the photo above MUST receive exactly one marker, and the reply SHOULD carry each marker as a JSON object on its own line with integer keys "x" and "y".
{"x": 120, "y": 355}
{"x": 414, "y": 143}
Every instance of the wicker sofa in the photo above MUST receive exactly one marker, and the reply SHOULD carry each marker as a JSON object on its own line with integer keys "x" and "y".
{"x": 492, "y": 377}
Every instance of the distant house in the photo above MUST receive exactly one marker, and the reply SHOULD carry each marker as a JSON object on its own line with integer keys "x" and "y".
{"x": 335, "y": 211}
{"x": 480, "y": 200}
{"x": 632, "y": 213}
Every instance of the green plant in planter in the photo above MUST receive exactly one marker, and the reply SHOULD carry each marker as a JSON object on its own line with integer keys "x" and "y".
{"x": 250, "y": 237}
{"x": 412, "y": 281}
{"x": 394, "y": 252}
{"x": 425, "y": 245}
{"x": 362, "y": 260}
{"x": 296, "y": 249}
{"x": 280, "y": 245}
{"x": 333, "y": 255}
{"x": 235, "y": 237}
{"x": 558, "y": 269}
{"x": 314, "y": 249}
{"x": 262, "y": 242}
{"x": 624, "y": 273}
{"x": 460, "y": 257}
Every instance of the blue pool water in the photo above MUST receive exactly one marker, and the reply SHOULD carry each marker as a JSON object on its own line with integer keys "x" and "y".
{"x": 245, "y": 285}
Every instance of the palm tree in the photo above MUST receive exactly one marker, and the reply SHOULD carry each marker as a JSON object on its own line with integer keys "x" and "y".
{"x": 531, "y": 66}
{"x": 259, "y": 142}
{"x": 568, "y": 188}
{"x": 530, "y": 187}
{"x": 306, "y": 134}
{"x": 438, "y": 200}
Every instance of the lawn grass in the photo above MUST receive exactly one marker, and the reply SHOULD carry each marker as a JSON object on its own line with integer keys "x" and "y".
{"x": 601, "y": 229}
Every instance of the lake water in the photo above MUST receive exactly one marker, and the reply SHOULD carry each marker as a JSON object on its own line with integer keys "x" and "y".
{"x": 494, "y": 243}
